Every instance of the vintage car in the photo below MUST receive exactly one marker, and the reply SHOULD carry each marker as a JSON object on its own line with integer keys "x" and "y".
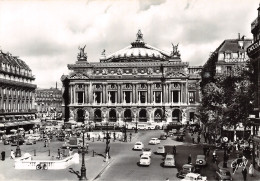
{"x": 163, "y": 137}
{"x": 154, "y": 141}
{"x": 160, "y": 150}
{"x": 169, "y": 161}
{"x": 187, "y": 168}
{"x": 194, "y": 177}
{"x": 145, "y": 160}
{"x": 223, "y": 174}
{"x": 179, "y": 137}
{"x": 138, "y": 145}
{"x": 201, "y": 160}
{"x": 147, "y": 152}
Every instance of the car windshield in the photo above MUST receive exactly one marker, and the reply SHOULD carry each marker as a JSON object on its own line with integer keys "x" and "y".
{"x": 146, "y": 158}
{"x": 147, "y": 149}
{"x": 138, "y": 144}
{"x": 169, "y": 159}
{"x": 160, "y": 147}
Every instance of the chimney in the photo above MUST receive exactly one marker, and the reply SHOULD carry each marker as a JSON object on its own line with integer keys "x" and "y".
{"x": 238, "y": 36}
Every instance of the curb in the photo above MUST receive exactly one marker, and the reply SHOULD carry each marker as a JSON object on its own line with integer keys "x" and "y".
{"x": 103, "y": 169}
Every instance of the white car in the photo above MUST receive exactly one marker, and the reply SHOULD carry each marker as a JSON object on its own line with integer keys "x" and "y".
{"x": 35, "y": 137}
{"x": 145, "y": 160}
{"x": 194, "y": 177}
{"x": 169, "y": 161}
{"x": 154, "y": 141}
{"x": 138, "y": 145}
{"x": 160, "y": 150}
{"x": 147, "y": 152}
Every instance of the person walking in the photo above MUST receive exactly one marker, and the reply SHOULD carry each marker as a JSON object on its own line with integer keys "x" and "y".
{"x": 198, "y": 139}
{"x": 12, "y": 154}
{"x": 130, "y": 137}
{"x": 189, "y": 159}
{"x": 3, "y": 155}
{"x": 251, "y": 170}
{"x": 174, "y": 149}
{"x": 244, "y": 173}
{"x": 193, "y": 140}
{"x": 59, "y": 156}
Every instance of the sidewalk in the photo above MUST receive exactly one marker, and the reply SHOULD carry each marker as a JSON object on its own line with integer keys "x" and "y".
{"x": 238, "y": 173}
{"x": 94, "y": 167}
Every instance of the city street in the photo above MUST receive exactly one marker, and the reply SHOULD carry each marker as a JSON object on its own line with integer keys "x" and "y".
{"x": 123, "y": 164}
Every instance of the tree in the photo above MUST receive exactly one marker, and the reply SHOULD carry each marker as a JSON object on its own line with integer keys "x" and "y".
{"x": 227, "y": 99}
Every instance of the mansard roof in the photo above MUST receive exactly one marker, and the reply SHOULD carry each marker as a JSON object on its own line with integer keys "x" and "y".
{"x": 7, "y": 58}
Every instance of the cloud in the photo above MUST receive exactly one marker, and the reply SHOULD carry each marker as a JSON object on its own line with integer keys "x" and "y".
{"x": 47, "y": 34}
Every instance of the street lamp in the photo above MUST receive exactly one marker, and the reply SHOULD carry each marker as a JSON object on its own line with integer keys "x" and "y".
{"x": 83, "y": 167}
{"x": 125, "y": 131}
{"x": 107, "y": 140}
{"x": 225, "y": 157}
{"x": 18, "y": 150}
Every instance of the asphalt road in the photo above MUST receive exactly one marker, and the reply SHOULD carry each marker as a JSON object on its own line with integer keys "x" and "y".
{"x": 125, "y": 166}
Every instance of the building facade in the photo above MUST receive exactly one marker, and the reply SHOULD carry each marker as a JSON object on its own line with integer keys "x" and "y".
{"x": 139, "y": 83}
{"x": 254, "y": 53}
{"x": 226, "y": 58}
{"x": 48, "y": 103}
{"x": 17, "y": 93}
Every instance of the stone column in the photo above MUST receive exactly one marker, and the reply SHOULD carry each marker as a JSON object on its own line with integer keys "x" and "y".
{"x": 85, "y": 93}
{"x": 151, "y": 93}
{"x": 136, "y": 93}
{"x": 103, "y": 94}
{"x": 133, "y": 93}
{"x": 169, "y": 94}
{"x": 118, "y": 93}
{"x": 74, "y": 93}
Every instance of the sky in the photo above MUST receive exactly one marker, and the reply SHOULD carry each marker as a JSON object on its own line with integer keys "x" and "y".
{"x": 46, "y": 34}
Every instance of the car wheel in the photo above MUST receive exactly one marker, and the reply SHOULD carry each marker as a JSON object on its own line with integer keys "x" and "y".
{"x": 149, "y": 128}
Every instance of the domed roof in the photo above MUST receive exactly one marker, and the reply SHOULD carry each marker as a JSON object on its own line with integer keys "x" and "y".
{"x": 138, "y": 51}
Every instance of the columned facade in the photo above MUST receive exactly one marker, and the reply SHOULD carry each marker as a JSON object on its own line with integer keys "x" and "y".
{"x": 140, "y": 83}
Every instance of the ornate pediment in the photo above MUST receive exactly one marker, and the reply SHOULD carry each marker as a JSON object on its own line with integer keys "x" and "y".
{"x": 175, "y": 74}
{"x": 78, "y": 76}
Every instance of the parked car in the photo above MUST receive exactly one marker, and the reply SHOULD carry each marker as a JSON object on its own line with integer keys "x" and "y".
{"x": 138, "y": 145}
{"x": 154, "y": 141}
{"x": 194, "y": 177}
{"x": 169, "y": 161}
{"x": 186, "y": 168}
{"x": 163, "y": 137}
{"x": 145, "y": 160}
{"x": 180, "y": 137}
{"x": 160, "y": 150}
{"x": 6, "y": 142}
{"x": 223, "y": 174}
{"x": 201, "y": 160}
{"x": 170, "y": 133}
{"x": 36, "y": 137}
{"x": 147, "y": 151}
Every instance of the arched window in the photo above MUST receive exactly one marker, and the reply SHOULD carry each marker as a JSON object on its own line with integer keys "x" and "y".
{"x": 128, "y": 115}
{"x": 142, "y": 116}
{"x": 112, "y": 115}
{"x": 97, "y": 115}
{"x": 158, "y": 115}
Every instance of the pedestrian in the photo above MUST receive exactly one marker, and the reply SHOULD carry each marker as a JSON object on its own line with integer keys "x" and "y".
{"x": 99, "y": 137}
{"x": 244, "y": 173}
{"x": 114, "y": 135}
{"x": 45, "y": 143}
{"x": 3, "y": 155}
{"x": 70, "y": 151}
{"x": 174, "y": 149}
{"x": 130, "y": 136}
{"x": 193, "y": 140}
{"x": 189, "y": 159}
{"x": 214, "y": 156}
{"x": 59, "y": 156}
{"x": 12, "y": 154}
{"x": 198, "y": 139}
{"x": 208, "y": 150}
{"x": 251, "y": 170}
